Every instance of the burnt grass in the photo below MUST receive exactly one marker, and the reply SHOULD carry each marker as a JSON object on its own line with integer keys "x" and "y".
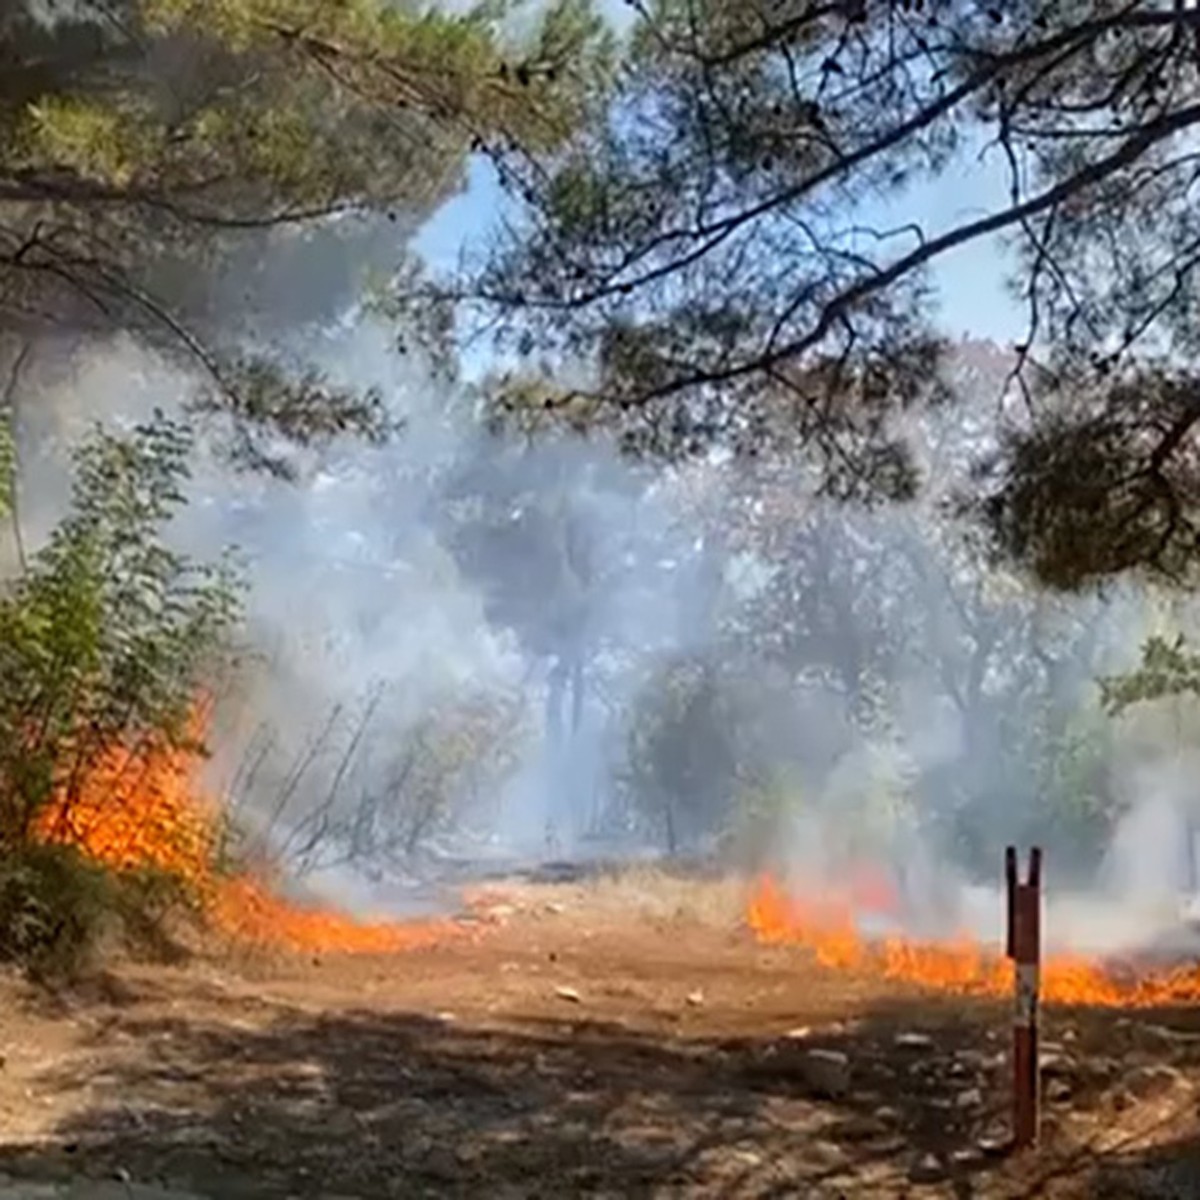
{"x": 647, "y": 1058}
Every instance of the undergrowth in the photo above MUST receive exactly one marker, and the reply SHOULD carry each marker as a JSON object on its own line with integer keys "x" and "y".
{"x": 107, "y": 637}
{"x": 61, "y": 912}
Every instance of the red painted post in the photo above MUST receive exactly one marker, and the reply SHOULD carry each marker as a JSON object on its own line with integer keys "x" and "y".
{"x": 1010, "y": 879}
{"x": 1024, "y": 944}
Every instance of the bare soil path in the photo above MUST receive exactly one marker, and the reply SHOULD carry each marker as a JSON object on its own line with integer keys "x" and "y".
{"x": 591, "y": 1043}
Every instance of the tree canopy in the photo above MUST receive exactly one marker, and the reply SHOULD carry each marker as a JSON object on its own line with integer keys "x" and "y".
{"x": 713, "y": 248}
{"x": 141, "y": 135}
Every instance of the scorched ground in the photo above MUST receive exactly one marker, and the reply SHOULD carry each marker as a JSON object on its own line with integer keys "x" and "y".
{"x": 627, "y": 1038}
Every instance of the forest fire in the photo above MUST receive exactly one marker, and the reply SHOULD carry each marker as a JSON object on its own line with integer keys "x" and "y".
{"x": 962, "y": 965}
{"x": 142, "y": 808}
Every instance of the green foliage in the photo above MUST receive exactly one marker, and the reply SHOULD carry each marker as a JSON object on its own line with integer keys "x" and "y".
{"x": 712, "y": 248}
{"x": 391, "y": 794}
{"x": 268, "y": 403}
{"x": 447, "y": 760}
{"x": 56, "y": 907}
{"x": 755, "y": 835}
{"x": 681, "y": 758}
{"x": 1077, "y": 807}
{"x": 147, "y": 137}
{"x": 59, "y": 910}
{"x": 108, "y": 636}
{"x": 8, "y": 463}
{"x": 1169, "y": 668}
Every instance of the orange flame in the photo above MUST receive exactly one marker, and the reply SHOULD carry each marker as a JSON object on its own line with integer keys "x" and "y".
{"x": 141, "y": 807}
{"x": 961, "y": 965}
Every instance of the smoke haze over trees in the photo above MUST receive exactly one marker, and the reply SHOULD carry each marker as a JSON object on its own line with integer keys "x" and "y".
{"x": 730, "y": 254}
{"x": 702, "y": 558}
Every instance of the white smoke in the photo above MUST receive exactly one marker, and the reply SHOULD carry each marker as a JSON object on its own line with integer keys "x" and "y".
{"x": 358, "y": 606}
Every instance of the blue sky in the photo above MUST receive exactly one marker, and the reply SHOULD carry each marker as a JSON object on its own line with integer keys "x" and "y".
{"x": 970, "y": 282}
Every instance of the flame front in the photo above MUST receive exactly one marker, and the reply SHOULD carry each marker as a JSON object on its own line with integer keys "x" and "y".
{"x": 137, "y": 808}
{"x": 961, "y": 965}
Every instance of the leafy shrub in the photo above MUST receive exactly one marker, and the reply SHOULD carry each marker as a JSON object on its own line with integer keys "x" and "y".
{"x": 680, "y": 764}
{"x": 756, "y": 836}
{"x": 106, "y": 639}
{"x": 105, "y": 642}
{"x": 59, "y": 910}
{"x": 56, "y": 908}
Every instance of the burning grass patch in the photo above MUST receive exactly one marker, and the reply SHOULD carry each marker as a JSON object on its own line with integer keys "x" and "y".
{"x": 138, "y": 841}
{"x": 962, "y": 966}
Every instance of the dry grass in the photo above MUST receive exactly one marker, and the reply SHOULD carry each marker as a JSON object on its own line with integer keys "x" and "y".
{"x": 650, "y": 891}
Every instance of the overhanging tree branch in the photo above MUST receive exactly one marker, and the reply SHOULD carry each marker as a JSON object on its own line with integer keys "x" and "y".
{"x": 846, "y": 301}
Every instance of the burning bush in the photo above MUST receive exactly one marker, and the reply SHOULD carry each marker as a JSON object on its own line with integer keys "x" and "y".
{"x": 105, "y": 641}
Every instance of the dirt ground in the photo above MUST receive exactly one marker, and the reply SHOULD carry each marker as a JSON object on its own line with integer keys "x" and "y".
{"x": 621, "y": 1039}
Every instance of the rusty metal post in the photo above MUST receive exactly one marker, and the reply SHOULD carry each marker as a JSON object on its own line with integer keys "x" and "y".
{"x": 1010, "y": 880}
{"x": 1024, "y": 946}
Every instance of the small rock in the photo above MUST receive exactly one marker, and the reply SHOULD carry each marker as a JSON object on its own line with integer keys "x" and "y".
{"x": 569, "y": 994}
{"x": 799, "y": 1033}
{"x": 827, "y": 1072}
{"x": 887, "y": 1114}
{"x": 971, "y": 1098}
{"x": 1055, "y": 1064}
{"x": 696, "y": 998}
{"x": 975, "y": 1060}
{"x": 913, "y": 1041}
{"x": 928, "y": 1169}
{"x": 554, "y": 908}
{"x": 994, "y": 1142}
{"x": 966, "y": 1157}
{"x": 1058, "y": 1091}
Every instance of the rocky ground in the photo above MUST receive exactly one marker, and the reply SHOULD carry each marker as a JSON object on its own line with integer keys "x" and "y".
{"x": 605, "y": 1040}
